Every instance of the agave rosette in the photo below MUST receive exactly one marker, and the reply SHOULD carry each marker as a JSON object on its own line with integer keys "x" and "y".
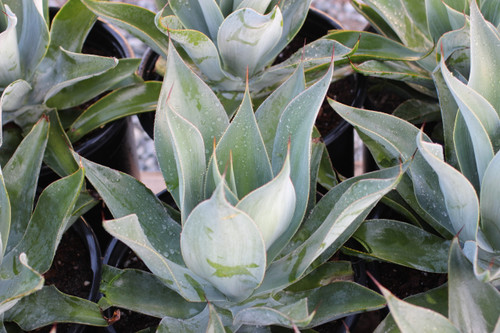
{"x": 250, "y": 238}
{"x": 450, "y": 192}
{"x": 407, "y": 46}
{"x": 29, "y": 238}
{"x": 43, "y": 69}
{"x": 221, "y": 40}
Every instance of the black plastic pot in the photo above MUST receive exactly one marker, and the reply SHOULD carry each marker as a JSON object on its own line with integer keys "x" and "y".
{"x": 339, "y": 140}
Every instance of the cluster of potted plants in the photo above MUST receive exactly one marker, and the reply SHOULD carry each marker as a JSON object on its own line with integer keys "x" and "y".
{"x": 257, "y": 231}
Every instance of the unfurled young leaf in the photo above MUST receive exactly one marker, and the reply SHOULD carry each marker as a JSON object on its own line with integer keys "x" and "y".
{"x": 205, "y": 241}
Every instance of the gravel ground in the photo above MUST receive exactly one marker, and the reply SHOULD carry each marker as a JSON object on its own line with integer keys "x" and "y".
{"x": 341, "y": 10}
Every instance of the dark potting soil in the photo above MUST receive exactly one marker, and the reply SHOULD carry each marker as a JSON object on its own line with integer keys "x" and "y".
{"x": 70, "y": 272}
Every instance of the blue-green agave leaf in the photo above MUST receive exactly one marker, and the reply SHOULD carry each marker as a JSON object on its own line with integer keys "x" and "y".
{"x": 201, "y": 15}
{"x": 271, "y": 206}
{"x": 404, "y": 244}
{"x": 49, "y": 305}
{"x": 484, "y": 58}
{"x": 182, "y": 280}
{"x": 5, "y": 216}
{"x": 293, "y": 135}
{"x": 10, "y": 63}
{"x": 26, "y": 161}
{"x": 20, "y": 283}
{"x": 32, "y": 33}
{"x": 86, "y": 90}
{"x": 197, "y": 107}
{"x": 482, "y": 121}
{"x": 125, "y": 101}
{"x": 462, "y": 206}
{"x": 269, "y": 112}
{"x": 442, "y": 18}
{"x": 435, "y": 299}
{"x": 253, "y": 170}
{"x": 488, "y": 201}
{"x": 288, "y": 315}
{"x": 199, "y": 47}
{"x": 161, "y": 230}
{"x": 47, "y": 224}
{"x": 339, "y": 224}
{"x": 213, "y": 227}
{"x": 412, "y": 318}
{"x": 136, "y": 20}
{"x": 474, "y": 306}
{"x": 245, "y": 39}
{"x": 145, "y": 293}
{"x": 194, "y": 324}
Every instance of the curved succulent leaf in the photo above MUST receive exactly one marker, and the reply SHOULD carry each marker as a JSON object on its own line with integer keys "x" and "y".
{"x": 294, "y": 135}
{"x": 125, "y": 101}
{"x": 289, "y": 315}
{"x": 136, "y": 20}
{"x": 86, "y": 90}
{"x": 72, "y": 68}
{"x": 26, "y": 161}
{"x": 215, "y": 177}
{"x": 206, "y": 321}
{"x": 14, "y": 96}
{"x": 407, "y": 19}
{"x": 269, "y": 112}
{"x": 488, "y": 201}
{"x": 253, "y": 170}
{"x": 190, "y": 161}
{"x": 162, "y": 231}
{"x": 482, "y": 121}
{"x": 10, "y": 63}
{"x": 355, "y": 200}
{"x": 412, "y": 318}
{"x": 5, "y": 216}
{"x": 201, "y": 15}
{"x": 294, "y": 14}
{"x": 213, "y": 227}
{"x": 58, "y": 154}
{"x": 462, "y": 206}
{"x": 47, "y": 224}
{"x": 183, "y": 281}
{"x": 484, "y": 58}
{"x": 435, "y": 299}
{"x": 474, "y": 306}
{"x": 195, "y": 103}
{"x": 371, "y": 46}
{"x": 335, "y": 300}
{"x": 442, "y": 18}
{"x": 20, "y": 283}
{"x": 200, "y": 48}
{"x": 271, "y": 206}
{"x": 403, "y": 244}
{"x": 145, "y": 293}
{"x": 57, "y": 307}
{"x": 257, "y": 5}
{"x": 70, "y": 28}
{"x": 32, "y": 33}
{"x": 241, "y": 42}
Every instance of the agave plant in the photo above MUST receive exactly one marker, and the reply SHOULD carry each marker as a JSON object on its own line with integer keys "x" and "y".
{"x": 42, "y": 69}
{"x": 407, "y": 47}
{"x": 29, "y": 239}
{"x": 446, "y": 194}
{"x": 251, "y": 245}
{"x": 224, "y": 41}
